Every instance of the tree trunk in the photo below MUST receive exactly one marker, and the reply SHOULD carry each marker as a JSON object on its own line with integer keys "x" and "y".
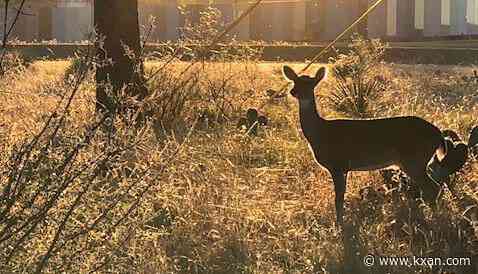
{"x": 117, "y": 25}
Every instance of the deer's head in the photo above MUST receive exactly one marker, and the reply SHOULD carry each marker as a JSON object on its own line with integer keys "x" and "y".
{"x": 304, "y": 86}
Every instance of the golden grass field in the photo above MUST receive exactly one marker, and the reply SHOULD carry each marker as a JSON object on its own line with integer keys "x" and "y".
{"x": 234, "y": 203}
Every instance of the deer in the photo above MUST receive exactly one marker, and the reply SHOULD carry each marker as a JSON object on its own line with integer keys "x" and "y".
{"x": 346, "y": 145}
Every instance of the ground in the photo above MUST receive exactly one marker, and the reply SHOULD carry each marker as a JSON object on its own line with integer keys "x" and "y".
{"x": 232, "y": 202}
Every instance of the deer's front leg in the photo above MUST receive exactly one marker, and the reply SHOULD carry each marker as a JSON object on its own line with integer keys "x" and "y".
{"x": 340, "y": 182}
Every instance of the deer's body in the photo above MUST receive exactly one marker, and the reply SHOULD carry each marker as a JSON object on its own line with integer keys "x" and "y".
{"x": 342, "y": 146}
{"x": 361, "y": 145}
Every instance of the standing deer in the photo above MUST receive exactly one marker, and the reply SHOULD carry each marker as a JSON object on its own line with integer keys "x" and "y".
{"x": 341, "y": 146}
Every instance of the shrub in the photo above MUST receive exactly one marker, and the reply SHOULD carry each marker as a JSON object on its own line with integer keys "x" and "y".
{"x": 356, "y": 88}
{"x": 202, "y": 34}
{"x": 170, "y": 93}
{"x": 209, "y": 26}
{"x": 71, "y": 188}
{"x": 12, "y": 63}
{"x": 78, "y": 66}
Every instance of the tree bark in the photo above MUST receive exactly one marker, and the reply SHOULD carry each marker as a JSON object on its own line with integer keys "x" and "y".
{"x": 117, "y": 25}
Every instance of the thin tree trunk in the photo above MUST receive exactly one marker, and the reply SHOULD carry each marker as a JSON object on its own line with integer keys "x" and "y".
{"x": 117, "y": 24}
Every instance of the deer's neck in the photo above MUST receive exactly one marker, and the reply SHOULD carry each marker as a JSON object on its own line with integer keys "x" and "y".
{"x": 310, "y": 120}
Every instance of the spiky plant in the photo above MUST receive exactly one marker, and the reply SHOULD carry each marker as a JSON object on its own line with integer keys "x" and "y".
{"x": 356, "y": 88}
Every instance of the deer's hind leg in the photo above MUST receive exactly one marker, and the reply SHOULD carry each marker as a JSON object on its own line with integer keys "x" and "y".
{"x": 417, "y": 171}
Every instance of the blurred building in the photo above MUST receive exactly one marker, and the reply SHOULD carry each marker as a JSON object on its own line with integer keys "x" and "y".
{"x": 377, "y": 25}
{"x": 61, "y": 20}
{"x": 393, "y": 19}
{"x": 272, "y": 20}
{"x": 71, "y": 20}
{"x": 448, "y": 17}
{"x": 160, "y": 20}
{"x": 314, "y": 14}
{"x": 226, "y": 7}
{"x": 337, "y": 15}
{"x": 279, "y": 21}
{"x": 458, "y": 17}
{"x": 472, "y": 17}
{"x": 243, "y": 29}
{"x": 416, "y": 19}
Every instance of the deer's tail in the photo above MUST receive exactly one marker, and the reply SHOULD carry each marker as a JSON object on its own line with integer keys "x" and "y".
{"x": 442, "y": 149}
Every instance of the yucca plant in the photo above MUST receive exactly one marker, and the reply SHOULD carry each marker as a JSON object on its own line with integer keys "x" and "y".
{"x": 356, "y": 88}
{"x": 356, "y": 96}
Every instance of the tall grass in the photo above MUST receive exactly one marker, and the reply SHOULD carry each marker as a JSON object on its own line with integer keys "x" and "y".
{"x": 183, "y": 196}
{"x": 224, "y": 202}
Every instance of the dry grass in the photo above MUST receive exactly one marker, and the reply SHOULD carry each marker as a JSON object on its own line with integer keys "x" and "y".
{"x": 231, "y": 203}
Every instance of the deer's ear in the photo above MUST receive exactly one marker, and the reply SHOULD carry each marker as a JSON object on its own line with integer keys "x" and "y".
{"x": 289, "y": 73}
{"x": 320, "y": 74}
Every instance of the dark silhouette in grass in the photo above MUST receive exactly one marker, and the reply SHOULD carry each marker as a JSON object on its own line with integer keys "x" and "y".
{"x": 252, "y": 121}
